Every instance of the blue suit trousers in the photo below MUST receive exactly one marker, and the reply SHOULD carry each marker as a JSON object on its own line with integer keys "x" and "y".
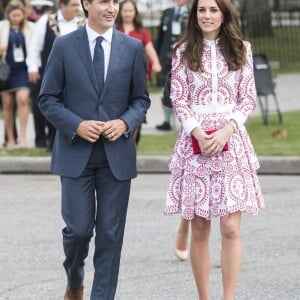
{"x": 94, "y": 202}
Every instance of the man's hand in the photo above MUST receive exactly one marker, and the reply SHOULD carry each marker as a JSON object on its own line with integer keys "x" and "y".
{"x": 34, "y": 77}
{"x": 114, "y": 129}
{"x": 90, "y": 130}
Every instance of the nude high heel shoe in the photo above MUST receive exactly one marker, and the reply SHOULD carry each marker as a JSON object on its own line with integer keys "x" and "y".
{"x": 182, "y": 255}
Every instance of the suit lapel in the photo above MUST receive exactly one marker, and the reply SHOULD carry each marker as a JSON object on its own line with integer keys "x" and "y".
{"x": 83, "y": 47}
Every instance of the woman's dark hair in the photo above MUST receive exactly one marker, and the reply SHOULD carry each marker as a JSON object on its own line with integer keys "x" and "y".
{"x": 230, "y": 38}
{"x": 137, "y": 21}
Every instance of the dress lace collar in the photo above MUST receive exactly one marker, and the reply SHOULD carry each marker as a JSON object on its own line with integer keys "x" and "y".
{"x": 211, "y": 42}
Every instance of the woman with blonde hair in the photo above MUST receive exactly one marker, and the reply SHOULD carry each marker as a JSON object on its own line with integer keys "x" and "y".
{"x": 15, "y": 33}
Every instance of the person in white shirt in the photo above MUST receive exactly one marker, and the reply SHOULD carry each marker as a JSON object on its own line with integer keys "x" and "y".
{"x": 47, "y": 28}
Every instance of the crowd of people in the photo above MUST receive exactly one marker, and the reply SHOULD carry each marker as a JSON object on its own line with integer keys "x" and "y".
{"x": 16, "y": 29}
{"x": 205, "y": 69}
{"x": 41, "y": 22}
{"x": 31, "y": 34}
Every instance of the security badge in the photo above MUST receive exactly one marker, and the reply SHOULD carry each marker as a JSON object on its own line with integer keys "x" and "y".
{"x": 18, "y": 54}
{"x": 176, "y": 28}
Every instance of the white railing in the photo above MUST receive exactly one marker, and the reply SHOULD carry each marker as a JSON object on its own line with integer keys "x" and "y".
{"x": 285, "y": 18}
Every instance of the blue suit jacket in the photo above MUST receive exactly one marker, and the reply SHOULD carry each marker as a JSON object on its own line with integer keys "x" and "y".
{"x": 69, "y": 94}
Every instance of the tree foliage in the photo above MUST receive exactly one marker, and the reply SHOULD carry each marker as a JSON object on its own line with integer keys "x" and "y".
{"x": 256, "y": 18}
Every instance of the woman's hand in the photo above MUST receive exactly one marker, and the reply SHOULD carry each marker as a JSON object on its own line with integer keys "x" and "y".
{"x": 200, "y": 136}
{"x": 213, "y": 144}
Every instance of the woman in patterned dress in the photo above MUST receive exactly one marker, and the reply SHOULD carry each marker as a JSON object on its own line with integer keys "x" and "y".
{"x": 212, "y": 88}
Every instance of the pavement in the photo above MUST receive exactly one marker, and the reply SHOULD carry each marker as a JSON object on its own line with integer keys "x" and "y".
{"x": 31, "y": 253}
{"x": 287, "y": 91}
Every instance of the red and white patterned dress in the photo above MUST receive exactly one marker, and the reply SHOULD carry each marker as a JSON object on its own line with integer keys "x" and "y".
{"x": 213, "y": 186}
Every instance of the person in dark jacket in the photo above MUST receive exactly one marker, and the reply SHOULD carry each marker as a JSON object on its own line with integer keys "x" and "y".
{"x": 47, "y": 28}
{"x": 172, "y": 25}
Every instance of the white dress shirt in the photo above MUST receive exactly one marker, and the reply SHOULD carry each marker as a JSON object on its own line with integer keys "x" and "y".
{"x": 106, "y": 44}
{"x": 38, "y": 37}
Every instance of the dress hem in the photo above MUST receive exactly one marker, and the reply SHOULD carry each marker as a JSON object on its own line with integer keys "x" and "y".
{"x": 208, "y": 218}
{"x": 12, "y": 90}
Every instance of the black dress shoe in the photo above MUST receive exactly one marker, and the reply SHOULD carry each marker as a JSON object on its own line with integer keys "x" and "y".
{"x": 165, "y": 126}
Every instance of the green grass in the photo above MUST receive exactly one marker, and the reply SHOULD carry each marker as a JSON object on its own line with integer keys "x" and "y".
{"x": 157, "y": 144}
{"x": 263, "y": 137}
{"x": 265, "y": 142}
{"x": 24, "y": 152}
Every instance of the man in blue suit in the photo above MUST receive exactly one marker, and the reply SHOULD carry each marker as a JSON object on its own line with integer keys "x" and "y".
{"x": 94, "y": 149}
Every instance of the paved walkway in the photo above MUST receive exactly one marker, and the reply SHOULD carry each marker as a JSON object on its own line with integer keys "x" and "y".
{"x": 31, "y": 250}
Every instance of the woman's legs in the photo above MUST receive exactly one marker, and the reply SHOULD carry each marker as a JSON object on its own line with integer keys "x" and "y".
{"x": 22, "y": 98}
{"x": 231, "y": 254}
{"x": 8, "y": 115}
{"x": 200, "y": 258}
{"x": 181, "y": 242}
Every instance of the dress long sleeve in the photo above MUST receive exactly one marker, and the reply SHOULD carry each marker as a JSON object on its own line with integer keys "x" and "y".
{"x": 246, "y": 100}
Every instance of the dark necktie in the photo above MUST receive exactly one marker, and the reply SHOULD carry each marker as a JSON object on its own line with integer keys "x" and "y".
{"x": 98, "y": 62}
{"x": 177, "y": 14}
